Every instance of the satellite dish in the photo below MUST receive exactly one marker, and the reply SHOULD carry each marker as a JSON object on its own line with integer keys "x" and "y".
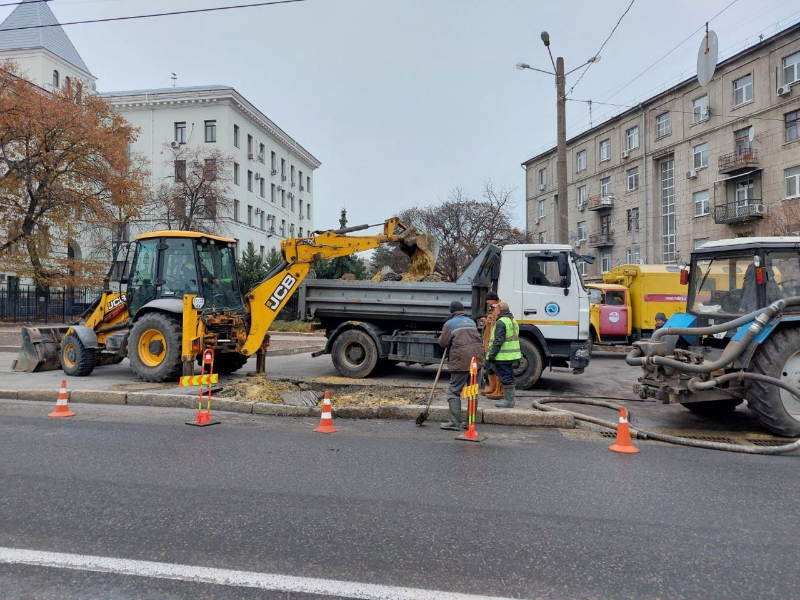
{"x": 751, "y": 133}
{"x": 707, "y": 58}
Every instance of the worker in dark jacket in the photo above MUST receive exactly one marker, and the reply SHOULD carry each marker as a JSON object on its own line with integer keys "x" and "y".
{"x": 504, "y": 353}
{"x": 460, "y": 335}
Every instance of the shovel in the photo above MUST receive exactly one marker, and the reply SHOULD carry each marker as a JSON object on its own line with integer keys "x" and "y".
{"x": 423, "y": 416}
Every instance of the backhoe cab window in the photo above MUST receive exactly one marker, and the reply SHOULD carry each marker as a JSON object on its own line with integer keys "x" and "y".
{"x": 141, "y": 287}
{"x": 218, "y": 267}
{"x": 179, "y": 272}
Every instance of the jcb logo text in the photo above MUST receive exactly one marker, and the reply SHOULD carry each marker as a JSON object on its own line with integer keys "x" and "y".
{"x": 281, "y": 292}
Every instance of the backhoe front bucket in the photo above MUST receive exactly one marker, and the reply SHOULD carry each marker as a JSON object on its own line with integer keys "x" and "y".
{"x": 423, "y": 249}
{"x": 41, "y": 349}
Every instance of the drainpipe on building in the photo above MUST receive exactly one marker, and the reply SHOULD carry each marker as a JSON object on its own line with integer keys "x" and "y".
{"x": 645, "y": 232}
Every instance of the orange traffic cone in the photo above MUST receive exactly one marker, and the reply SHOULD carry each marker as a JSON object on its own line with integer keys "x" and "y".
{"x": 623, "y": 443}
{"x": 326, "y": 418}
{"x": 62, "y": 404}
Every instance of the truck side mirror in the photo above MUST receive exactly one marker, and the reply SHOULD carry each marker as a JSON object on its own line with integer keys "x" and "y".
{"x": 563, "y": 265}
{"x": 684, "y": 276}
{"x": 588, "y": 258}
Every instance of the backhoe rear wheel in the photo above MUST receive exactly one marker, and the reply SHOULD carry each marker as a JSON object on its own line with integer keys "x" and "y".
{"x": 779, "y": 357}
{"x": 154, "y": 348}
{"x": 354, "y": 354}
{"x": 76, "y": 359}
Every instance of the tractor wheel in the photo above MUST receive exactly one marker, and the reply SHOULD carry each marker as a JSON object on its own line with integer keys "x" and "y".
{"x": 778, "y": 357}
{"x": 354, "y": 354}
{"x": 529, "y": 369}
{"x": 76, "y": 359}
{"x": 226, "y": 363}
{"x": 713, "y": 408}
{"x": 155, "y": 347}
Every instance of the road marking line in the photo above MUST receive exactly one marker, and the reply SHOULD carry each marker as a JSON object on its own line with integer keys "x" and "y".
{"x": 249, "y": 579}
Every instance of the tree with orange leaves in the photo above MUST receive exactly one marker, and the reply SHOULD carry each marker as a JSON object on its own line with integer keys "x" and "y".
{"x": 65, "y": 174}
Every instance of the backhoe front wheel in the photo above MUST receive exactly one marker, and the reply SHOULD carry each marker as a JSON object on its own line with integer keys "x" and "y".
{"x": 154, "y": 348}
{"x": 777, "y": 409}
{"x": 76, "y": 359}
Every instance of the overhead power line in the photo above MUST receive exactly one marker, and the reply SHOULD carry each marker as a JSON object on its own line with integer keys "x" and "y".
{"x": 153, "y": 15}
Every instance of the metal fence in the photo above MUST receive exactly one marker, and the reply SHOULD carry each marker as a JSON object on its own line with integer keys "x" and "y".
{"x": 27, "y": 304}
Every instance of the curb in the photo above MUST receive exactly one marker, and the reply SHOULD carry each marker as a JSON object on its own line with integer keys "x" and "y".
{"x": 494, "y": 416}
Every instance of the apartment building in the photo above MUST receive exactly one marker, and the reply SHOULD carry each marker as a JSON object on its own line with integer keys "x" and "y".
{"x": 272, "y": 179}
{"x": 686, "y": 166}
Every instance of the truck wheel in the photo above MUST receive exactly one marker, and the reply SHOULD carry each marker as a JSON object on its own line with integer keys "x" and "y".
{"x": 712, "y": 408}
{"x": 776, "y": 409}
{"x": 76, "y": 359}
{"x": 354, "y": 354}
{"x": 529, "y": 369}
{"x": 226, "y": 363}
{"x": 155, "y": 348}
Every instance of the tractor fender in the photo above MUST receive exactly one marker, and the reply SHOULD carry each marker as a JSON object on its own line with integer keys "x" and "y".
{"x": 370, "y": 329}
{"x": 170, "y": 305}
{"x": 86, "y": 335}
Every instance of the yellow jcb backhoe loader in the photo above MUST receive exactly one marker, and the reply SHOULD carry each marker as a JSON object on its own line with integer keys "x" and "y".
{"x": 183, "y": 297}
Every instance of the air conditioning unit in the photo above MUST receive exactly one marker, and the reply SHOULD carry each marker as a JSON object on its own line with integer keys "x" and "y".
{"x": 626, "y": 153}
{"x": 261, "y": 157}
{"x": 759, "y": 209}
{"x": 250, "y": 155}
{"x": 258, "y": 176}
{"x": 175, "y": 145}
{"x": 258, "y": 211}
{"x": 542, "y": 186}
{"x": 283, "y": 177}
{"x": 691, "y": 174}
{"x": 639, "y": 261}
{"x": 274, "y": 172}
{"x": 272, "y": 229}
{"x": 785, "y": 90}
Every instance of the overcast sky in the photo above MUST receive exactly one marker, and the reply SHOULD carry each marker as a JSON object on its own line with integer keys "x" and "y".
{"x": 402, "y": 100}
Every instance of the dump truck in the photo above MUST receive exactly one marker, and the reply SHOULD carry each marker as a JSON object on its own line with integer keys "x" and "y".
{"x": 625, "y": 305}
{"x": 180, "y": 296}
{"x": 370, "y": 325}
{"x": 739, "y": 338}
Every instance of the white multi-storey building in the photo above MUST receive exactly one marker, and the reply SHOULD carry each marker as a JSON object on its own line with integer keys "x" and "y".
{"x": 272, "y": 183}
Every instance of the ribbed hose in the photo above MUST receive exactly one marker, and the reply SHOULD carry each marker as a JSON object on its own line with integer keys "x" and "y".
{"x": 540, "y": 404}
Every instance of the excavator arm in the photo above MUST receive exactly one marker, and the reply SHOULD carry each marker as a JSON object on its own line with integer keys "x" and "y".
{"x": 266, "y": 300}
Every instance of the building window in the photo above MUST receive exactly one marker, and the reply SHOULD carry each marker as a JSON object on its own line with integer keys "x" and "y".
{"x": 308, "y": 210}
{"x": 66, "y": 83}
{"x": 211, "y": 131}
{"x": 263, "y": 224}
{"x": 581, "y": 160}
{"x": 308, "y": 183}
{"x": 236, "y": 210}
{"x": 605, "y": 186}
{"x": 744, "y": 192}
{"x": 700, "y": 203}
{"x": 300, "y": 208}
{"x": 668, "y": 211}
{"x": 273, "y": 194}
{"x": 700, "y": 109}
{"x": 742, "y": 143}
{"x": 300, "y": 179}
{"x": 274, "y": 163}
{"x": 792, "y": 125}
{"x": 605, "y": 150}
{"x": 633, "y": 219}
{"x": 698, "y": 243}
{"x": 700, "y": 156}
{"x": 791, "y": 68}
{"x": 663, "y": 125}
{"x": 582, "y": 195}
{"x": 582, "y": 268}
{"x": 632, "y": 138}
{"x": 283, "y": 169}
{"x": 291, "y": 202}
{"x": 581, "y": 230}
{"x": 742, "y": 90}
{"x": 292, "y": 171}
{"x": 180, "y": 171}
{"x": 262, "y": 151}
{"x": 236, "y": 173}
{"x": 542, "y": 209}
{"x": 792, "y": 177}
{"x": 249, "y": 146}
{"x": 542, "y": 177}
{"x": 300, "y": 232}
{"x": 543, "y": 237}
{"x": 606, "y": 263}
{"x": 180, "y": 133}
{"x": 236, "y": 135}
{"x": 249, "y": 181}
{"x": 632, "y": 257}
{"x": 261, "y": 249}
{"x": 283, "y": 198}
{"x": 55, "y": 79}
{"x": 249, "y": 215}
{"x": 263, "y": 188}
{"x": 210, "y": 169}
{"x": 283, "y": 227}
{"x": 633, "y": 179}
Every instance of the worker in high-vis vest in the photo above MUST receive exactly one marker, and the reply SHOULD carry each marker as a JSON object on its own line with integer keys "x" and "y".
{"x": 504, "y": 353}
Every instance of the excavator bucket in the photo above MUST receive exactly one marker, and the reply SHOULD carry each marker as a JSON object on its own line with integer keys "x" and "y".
{"x": 41, "y": 349}
{"x": 422, "y": 248}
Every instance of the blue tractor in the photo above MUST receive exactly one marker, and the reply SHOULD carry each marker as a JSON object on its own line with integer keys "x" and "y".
{"x": 739, "y": 338}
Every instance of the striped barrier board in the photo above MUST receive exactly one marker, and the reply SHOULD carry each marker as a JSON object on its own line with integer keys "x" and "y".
{"x": 469, "y": 391}
{"x": 193, "y": 380}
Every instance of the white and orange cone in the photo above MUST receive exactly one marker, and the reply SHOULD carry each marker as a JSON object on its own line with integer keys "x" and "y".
{"x": 623, "y": 443}
{"x": 62, "y": 404}
{"x": 326, "y": 418}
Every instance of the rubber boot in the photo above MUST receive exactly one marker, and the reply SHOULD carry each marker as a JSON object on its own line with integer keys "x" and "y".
{"x": 454, "y": 424}
{"x": 498, "y": 391}
{"x": 508, "y": 397}
{"x": 493, "y": 383}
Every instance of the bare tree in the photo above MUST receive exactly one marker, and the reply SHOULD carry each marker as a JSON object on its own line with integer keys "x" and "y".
{"x": 197, "y": 196}
{"x": 786, "y": 218}
{"x": 464, "y": 225}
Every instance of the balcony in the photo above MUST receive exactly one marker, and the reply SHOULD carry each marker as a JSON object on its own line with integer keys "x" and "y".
{"x": 739, "y": 212}
{"x": 601, "y": 240}
{"x": 739, "y": 160}
{"x": 600, "y": 202}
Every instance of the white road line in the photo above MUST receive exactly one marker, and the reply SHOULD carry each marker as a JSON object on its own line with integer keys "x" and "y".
{"x": 249, "y": 579}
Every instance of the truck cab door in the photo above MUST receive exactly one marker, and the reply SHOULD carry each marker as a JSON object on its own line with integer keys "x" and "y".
{"x": 550, "y": 300}
{"x": 614, "y": 314}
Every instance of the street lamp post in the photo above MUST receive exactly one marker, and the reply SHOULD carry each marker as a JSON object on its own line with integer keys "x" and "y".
{"x": 561, "y": 218}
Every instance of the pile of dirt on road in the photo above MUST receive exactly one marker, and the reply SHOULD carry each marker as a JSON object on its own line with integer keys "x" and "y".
{"x": 374, "y": 396}
{"x": 258, "y": 389}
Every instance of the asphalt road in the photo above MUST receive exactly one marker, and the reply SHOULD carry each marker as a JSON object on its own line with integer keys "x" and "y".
{"x": 528, "y": 513}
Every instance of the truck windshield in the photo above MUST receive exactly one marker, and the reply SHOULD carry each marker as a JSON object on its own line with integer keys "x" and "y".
{"x": 782, "y": 275}
{"x": 218, "y": 270}
{"x": 724, "y": 285}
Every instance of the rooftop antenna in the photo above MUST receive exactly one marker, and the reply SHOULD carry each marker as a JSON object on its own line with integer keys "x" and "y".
{"x": 174, "y": 80}
{"x": 590, "y": 114}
